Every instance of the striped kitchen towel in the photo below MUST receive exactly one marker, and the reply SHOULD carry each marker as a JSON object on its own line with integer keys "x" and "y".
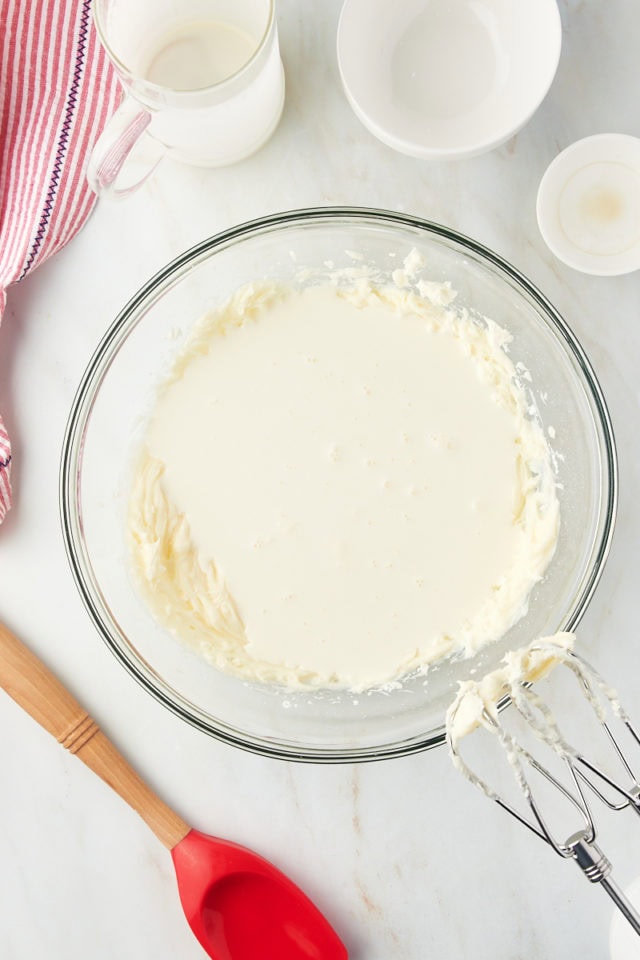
{"x": 57, "y": 90}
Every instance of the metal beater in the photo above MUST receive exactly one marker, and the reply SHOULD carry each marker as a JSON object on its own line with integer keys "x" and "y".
{"x": 582, "y": 771}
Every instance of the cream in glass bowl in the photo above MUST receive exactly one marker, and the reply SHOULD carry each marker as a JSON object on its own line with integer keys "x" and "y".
{"x": 304, "y": 529}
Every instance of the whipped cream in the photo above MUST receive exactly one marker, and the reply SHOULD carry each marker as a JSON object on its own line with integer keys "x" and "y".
{"x": 476, "y": 703}
{"x": 341, "y": 484}
{"x": 476, "y": 706}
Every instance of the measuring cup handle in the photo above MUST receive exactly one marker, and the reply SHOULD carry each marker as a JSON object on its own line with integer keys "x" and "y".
{"x": 33, "y": 687}
{"x": 126, "y": 128}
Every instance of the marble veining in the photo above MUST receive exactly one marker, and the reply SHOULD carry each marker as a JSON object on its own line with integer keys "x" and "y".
{"x": 381, "y": 847}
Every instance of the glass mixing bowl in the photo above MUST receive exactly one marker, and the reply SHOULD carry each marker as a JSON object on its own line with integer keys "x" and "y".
{"x": 107, "y": 423}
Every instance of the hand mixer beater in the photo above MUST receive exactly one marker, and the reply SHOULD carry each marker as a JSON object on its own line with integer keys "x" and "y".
{"x": 477, "y": 706}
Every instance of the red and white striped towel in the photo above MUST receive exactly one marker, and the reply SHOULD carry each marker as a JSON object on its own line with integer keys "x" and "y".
{"x": 57, "y": 90}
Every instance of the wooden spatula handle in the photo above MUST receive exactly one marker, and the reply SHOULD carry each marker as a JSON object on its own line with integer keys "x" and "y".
{"x": 26, "y": 679}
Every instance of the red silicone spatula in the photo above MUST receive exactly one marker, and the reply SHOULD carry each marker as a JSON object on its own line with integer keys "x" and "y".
{"x": 239, "y": 906}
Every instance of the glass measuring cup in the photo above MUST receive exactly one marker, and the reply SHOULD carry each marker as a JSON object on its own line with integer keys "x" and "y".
{"x": 204, "y": 84}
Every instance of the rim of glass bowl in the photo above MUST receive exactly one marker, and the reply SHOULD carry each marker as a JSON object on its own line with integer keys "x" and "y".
{"x": 83, "y": 403}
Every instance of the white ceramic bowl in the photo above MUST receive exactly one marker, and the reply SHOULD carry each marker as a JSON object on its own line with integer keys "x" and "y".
{"x": 589, "y": 205}
{"x": 447, "y": 78}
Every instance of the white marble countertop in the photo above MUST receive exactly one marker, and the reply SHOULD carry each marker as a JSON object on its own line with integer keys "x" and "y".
{"x": 405, "y": 859}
